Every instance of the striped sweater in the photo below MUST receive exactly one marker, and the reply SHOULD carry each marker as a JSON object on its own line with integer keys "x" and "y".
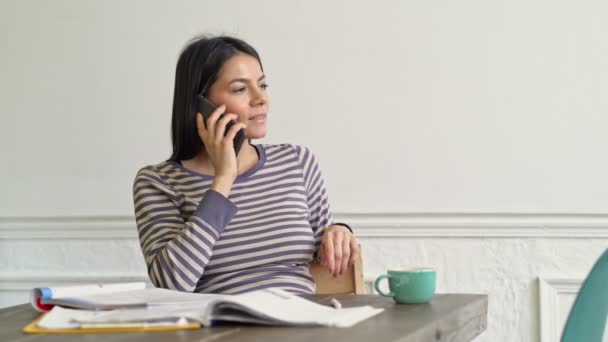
{"x": 263, "y": 235}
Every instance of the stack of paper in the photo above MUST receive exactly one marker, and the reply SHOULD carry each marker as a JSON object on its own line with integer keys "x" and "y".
{"x": 130, "y": 307}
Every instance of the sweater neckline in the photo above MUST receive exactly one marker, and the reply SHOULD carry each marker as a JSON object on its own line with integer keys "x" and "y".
{"x": 261, "y": 161}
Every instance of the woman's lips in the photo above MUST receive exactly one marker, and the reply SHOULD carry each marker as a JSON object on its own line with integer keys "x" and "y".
{"x": 258, "y": 118}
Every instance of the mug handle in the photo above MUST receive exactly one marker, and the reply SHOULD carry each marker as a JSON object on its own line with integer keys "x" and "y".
{"x": 377, "y": 285}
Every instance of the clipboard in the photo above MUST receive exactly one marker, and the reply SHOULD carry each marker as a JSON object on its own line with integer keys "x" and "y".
{"x": 33, "y": 328}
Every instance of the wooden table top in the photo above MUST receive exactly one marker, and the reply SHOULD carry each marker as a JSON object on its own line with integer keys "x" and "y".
{"x": 449, "y": 317}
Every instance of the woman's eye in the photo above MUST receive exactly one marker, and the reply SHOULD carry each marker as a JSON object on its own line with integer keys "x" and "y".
{"x": 239, "y": 90}
{"x": 264, "y": 86}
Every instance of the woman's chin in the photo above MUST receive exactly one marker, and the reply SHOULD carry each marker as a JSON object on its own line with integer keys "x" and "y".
{"x": 256, "y": 134}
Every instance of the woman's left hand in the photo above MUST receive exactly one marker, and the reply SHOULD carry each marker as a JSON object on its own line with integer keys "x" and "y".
{"x": 339, "y": 249}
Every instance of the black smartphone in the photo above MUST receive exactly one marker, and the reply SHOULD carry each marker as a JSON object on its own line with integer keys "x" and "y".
{"x": 207, "y": 108}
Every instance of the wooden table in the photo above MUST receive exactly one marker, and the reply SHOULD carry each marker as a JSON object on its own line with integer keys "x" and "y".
{"x": 449, "y": 317}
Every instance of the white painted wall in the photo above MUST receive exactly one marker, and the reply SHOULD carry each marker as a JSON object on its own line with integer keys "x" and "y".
{"x": 489, "y": 117}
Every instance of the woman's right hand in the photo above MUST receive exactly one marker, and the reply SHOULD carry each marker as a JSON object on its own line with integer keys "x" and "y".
{"x": 220, "y": 148}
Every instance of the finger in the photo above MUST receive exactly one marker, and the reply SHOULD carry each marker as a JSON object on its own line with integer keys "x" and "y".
{"x": 329, "y": 251}
{"x": 232, "y": 132}
{"x": 322, "y": 255}
{"x": 202, "y": 130}
{"x": 212, "y": 120}
{"x": 217, "y": 113}
{"x": 345, "y": 254}
{"x": 338, "y": 254}
{"x": 354, "y": 250}
{"x": 220, "y": 127}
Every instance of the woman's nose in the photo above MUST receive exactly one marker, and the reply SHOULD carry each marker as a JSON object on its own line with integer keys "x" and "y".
{"x": 259, "y": 97}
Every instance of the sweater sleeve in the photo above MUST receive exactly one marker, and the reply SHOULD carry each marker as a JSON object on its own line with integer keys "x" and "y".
{"x": 317, "y": 198}
{"x": 176, "y": 251}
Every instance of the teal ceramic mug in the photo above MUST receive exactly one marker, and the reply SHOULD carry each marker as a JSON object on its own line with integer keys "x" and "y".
{"x": 412, "y": 286}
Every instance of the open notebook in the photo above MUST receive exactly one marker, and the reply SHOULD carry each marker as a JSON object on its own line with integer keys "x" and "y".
{"x": 134, "y": 305}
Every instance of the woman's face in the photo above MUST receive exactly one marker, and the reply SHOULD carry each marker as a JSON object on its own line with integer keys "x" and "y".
{"x": 241, "y": 86}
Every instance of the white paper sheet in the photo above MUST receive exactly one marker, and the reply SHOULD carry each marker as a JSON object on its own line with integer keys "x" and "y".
{"x": 270, "y": 306}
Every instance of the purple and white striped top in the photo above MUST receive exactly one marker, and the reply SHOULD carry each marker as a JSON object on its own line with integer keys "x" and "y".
{"x": 263, "y": 235}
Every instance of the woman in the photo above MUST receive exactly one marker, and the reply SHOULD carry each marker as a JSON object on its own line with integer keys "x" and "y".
{"x": 216, "y": 222}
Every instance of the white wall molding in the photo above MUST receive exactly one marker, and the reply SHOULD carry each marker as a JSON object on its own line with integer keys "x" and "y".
{"x": 76, "y": 227}
{"x": 550, "y": 289}
{"x": 366, "y": 225}
{"x": 477, "y": 225}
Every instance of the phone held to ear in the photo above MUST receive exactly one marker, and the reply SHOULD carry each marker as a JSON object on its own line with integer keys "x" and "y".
{"x": 206, "y": 108}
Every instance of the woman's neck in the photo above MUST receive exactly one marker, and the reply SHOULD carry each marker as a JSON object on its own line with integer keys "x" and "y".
{"x": 246, "y": 159}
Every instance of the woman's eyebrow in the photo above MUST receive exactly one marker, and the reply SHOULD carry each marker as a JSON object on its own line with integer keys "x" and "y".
{"x": 245, "y": 80}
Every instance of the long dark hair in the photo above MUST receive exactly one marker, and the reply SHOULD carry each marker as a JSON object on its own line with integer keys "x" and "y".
{"x": 197, "y": 68}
